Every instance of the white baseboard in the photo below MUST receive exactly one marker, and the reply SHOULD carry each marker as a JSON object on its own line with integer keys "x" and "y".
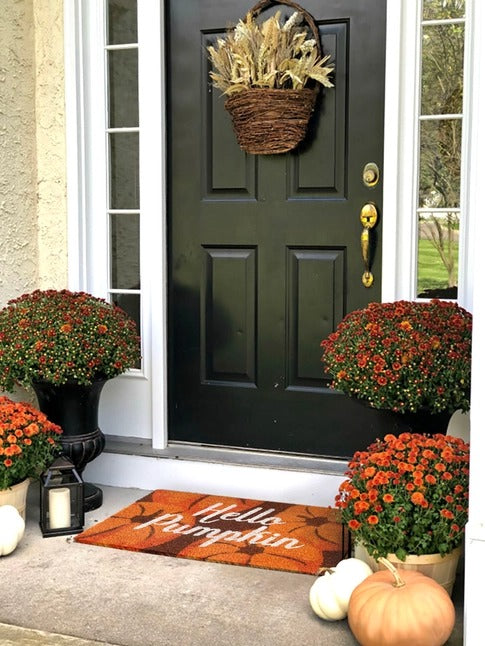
{"x": 259, "y": 483}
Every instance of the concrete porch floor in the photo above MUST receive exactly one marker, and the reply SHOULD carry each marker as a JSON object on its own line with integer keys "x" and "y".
{"x": 55, "y": 592}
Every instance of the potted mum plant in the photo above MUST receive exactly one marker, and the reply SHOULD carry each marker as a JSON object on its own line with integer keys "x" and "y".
{"x": 406, "y": 498}
{"x": 28, "y": 444}
{"x": 405, "y": 357}
{"x": 66, "y": 345}
{"x": 271, "y": 73}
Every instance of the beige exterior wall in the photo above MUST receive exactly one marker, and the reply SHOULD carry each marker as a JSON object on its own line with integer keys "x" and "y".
{"x": 33, "y": 221}
{"x": 50, "y": 143}
{"x": 18, "y": 217}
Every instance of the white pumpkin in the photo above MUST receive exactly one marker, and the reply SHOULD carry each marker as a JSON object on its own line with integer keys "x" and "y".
{"x": 12, "y": 527}
{"x": 330, "y": 594}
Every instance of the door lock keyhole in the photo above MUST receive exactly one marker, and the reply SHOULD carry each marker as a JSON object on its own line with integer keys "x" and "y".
{"x": 370, "y": 174}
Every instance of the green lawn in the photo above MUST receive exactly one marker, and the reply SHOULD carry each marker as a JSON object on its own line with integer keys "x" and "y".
{"x": 431, "y": 271}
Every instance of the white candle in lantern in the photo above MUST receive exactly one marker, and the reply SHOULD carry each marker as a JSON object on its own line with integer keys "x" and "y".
{"x": 59, "y": 508}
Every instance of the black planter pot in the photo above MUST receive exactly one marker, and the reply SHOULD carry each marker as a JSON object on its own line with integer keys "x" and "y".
{"x": 423, "y": 421}
{"x": 74, "y": 408}
{"x": 383, "y": 421}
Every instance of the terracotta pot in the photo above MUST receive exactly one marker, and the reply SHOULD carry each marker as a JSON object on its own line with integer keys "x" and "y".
{"x": 440, "y": 568}
{"x": 16, "y": 495}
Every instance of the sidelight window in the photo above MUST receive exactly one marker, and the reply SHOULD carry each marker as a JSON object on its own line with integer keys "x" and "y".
{"x": 439, "y": 202}
{"x": 122, "y": 132}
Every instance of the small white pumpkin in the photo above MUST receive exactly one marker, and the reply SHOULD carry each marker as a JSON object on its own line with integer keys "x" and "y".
{"x": 12, "y": 527}
{"x": 330, "y": 594}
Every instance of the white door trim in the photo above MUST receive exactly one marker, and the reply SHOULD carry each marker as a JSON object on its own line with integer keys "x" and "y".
{"x": 153, "y": 208}
{"x": 398, "y": 214}
{"x": 475, "y": 533}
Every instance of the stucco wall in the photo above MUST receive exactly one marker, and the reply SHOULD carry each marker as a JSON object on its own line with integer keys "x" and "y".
{"x": 33, "y": 246}
{"x": 18, "y": 176}
{"x": 50, "y": 143}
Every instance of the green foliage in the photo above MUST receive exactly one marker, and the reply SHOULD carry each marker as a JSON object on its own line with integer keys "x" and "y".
{"x": 60, "y": 336}
{"x": 432, "y": 273}
{"x": 269, "y": 55}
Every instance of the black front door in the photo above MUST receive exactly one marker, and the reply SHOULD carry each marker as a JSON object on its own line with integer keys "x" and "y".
{"x": 264, "y": 251}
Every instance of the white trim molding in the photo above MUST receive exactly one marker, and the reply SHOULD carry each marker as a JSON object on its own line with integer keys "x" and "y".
{"x": 153, "y": 209}
{"x": 475, "y": 534}
{"x": 75, "y": 155}
{"x": 400, "y": 137}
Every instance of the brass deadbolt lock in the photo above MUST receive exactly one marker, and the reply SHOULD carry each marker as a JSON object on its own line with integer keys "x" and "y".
{"x": 370, "y": 174}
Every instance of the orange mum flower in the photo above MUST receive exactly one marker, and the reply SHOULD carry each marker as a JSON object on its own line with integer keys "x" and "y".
{"x": 354, "y": 524}
{"x": 360, "y": 506}
{"x": 417, "y": 498}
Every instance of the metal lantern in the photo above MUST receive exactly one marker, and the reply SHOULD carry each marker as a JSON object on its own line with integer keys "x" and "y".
{"x": 61, "y": 499}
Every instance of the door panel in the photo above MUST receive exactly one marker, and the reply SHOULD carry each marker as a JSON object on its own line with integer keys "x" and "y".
{"x": 315, "y": 304}
{"x": 264, "y": 251}
{"x": 228, "y": 321}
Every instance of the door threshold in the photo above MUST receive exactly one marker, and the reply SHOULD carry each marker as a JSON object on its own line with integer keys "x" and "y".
{"x": 226, "y": 455}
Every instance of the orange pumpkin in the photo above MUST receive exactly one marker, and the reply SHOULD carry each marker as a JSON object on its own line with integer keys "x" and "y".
{"x": 400, "y": 608}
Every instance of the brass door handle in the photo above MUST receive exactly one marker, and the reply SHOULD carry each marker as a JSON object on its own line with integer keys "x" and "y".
{"x": 368, "y": 219}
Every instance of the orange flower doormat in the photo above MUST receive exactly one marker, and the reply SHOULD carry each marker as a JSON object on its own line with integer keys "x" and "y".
{"x": 277, "y": 536}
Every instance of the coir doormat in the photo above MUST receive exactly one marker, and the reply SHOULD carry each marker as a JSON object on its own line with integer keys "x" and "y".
{"x": 272, "y": 535}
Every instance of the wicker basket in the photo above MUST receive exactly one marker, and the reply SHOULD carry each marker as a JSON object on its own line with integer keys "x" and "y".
{"x": 440, "y": 568}
{"x": 269, "y": 121}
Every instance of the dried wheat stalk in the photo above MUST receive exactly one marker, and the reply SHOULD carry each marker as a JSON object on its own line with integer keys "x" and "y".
{"x": 267, "y": 55}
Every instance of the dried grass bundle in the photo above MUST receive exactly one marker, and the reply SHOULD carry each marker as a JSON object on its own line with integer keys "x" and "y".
{"x": 268, "y": 55}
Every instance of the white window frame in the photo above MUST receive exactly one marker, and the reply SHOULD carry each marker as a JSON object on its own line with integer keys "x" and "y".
{"x": 87, "y": 156}
{"x": 402, "y": 158}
